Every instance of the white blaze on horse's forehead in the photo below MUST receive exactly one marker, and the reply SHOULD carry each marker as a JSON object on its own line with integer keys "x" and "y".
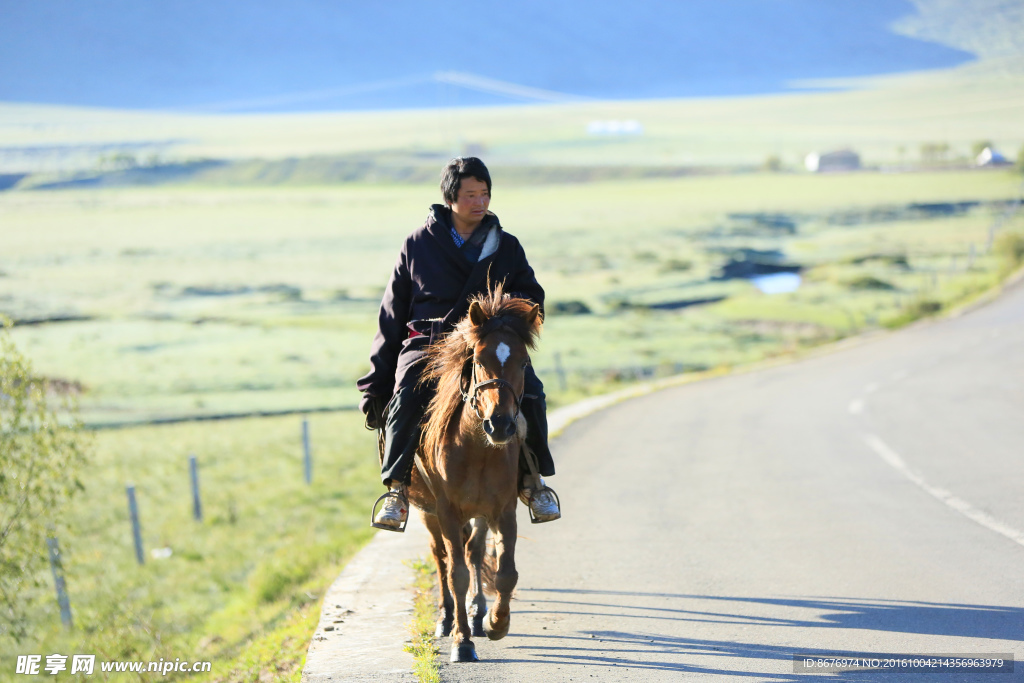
{"x": 503, "y": 352}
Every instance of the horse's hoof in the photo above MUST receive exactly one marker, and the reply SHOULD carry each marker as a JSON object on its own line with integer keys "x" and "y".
{"x": 444, "y": 628}
{"x": 464, "y": 652}
{"x": 478, "y": 628}
{"x": 496, "y": 631}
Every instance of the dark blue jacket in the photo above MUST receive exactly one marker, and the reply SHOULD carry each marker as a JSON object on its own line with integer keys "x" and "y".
{"x": 428, "y": 294}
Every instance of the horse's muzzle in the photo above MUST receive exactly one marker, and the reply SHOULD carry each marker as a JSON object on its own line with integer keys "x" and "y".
{"x": 500, "y": 429}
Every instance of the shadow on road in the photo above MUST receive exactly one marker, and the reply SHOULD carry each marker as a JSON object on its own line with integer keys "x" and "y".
{"x": 650, "y": 647}
{"x": 928, "y": 618}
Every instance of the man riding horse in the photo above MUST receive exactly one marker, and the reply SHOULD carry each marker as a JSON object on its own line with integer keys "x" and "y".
{"x": 459, "y": 249}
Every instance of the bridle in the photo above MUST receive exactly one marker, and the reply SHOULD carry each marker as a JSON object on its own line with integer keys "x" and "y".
{"x": 474, "y": 386}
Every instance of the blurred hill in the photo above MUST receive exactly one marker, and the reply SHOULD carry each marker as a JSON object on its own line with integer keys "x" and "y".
{"x": 986, "y": 28}
{"x": 261, "y": 56}
{"x": 549, "y": 60}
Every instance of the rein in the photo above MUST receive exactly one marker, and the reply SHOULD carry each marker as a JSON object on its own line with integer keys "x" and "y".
{"x": 474, "y": 386}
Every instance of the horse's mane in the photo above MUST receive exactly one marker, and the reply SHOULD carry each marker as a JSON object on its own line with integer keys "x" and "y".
{"x": 446, "y": 358}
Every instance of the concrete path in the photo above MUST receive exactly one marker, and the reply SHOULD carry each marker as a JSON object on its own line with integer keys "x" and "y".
{"x": 364, "y": 620}
{"x": 863, "y": 501}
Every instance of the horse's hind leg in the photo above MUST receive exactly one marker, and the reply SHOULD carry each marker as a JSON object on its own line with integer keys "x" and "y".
{"x": 499, "y": 618}
{"x": 476, "y": 547}
{"x": 445, "y": 605}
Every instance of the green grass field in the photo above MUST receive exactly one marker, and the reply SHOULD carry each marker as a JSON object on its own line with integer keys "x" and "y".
{"x": 235, "y": 300}
{"x": 246, "y": 290}
{"x": 206, "y": 302}
{"x": 260, "y": 560}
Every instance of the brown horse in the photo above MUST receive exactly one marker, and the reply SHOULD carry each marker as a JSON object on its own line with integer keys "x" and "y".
{"x": 466, "y": 476}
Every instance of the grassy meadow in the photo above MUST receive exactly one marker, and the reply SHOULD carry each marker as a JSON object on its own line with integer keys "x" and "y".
{"x": 234, "y": 291}
{"x": 197, "y": 301}
{"x": 237, "y": 584}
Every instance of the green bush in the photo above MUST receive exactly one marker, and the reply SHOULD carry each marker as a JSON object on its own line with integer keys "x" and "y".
{"x": 926, "y": 307}
{"x": 676, "y": 265}
{"x": 921, "y": 308}
{"x": 979, "y": 146}
{"x": 42, "y": 451}
{"x": 569, "y": 308}
{"x": 619, "y": 304}
{"x": 869, "y": 282}
{"x": 1009, "y": 249}
{"x": 772, "y": 164}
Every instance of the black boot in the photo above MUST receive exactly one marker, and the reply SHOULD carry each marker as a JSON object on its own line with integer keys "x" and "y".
{"x": 402, "y": 428}
{"x": 535, "y": 410}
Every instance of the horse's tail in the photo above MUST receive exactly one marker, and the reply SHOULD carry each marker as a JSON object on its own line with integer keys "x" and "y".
{"x": 489, "y": 570}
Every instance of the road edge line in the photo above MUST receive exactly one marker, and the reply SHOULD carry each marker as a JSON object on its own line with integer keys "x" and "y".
{"x": 893, "y": 459}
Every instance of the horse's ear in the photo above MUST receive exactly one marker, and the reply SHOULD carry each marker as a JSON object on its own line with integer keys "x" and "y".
{"x": 476, "y": 314}
{"x": 533, "y": 317}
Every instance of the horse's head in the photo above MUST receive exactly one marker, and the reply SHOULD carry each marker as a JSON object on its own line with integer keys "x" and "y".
{"x": 500, "y": 356}
{"x": 481, "y": 367}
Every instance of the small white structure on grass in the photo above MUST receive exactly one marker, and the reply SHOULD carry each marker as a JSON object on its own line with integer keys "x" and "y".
{"x": 991, "y": 157}
{"x": 840, "y": 160}
{"x": 629, "y": 127}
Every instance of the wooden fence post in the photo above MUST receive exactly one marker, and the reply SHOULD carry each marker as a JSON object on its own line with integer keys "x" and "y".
{"x": 58, "y": 581}
{"x": 307, "y": 457}
{"x": 197, "y": 506}
{"x": 133, "y": 510}
{"x": 560, "y": 371}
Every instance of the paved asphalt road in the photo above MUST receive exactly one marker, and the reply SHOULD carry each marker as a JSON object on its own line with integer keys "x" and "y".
{"x": 869, "y": 500}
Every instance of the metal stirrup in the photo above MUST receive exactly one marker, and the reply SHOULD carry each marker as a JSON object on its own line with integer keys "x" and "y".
{"x": 373, "y": 511}
{"x": 531, "y": 463}
{"x": 536, "y": 520}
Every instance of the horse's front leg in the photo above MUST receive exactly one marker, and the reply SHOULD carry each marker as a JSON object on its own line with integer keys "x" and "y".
{"x": 463, "y": 649}
{"x": 498, "y": 619}
{"x": 446, "y": 604}
{"x": 476, "y": 547}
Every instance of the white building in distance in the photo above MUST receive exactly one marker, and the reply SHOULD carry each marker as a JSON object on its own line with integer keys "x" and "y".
{"x": 991, "y": 157}
{"x": 840, "y": 160}
{"x": 630, "y": 127}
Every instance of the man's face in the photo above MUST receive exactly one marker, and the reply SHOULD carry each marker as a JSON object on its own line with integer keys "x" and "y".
{"x": 473, "y": 200}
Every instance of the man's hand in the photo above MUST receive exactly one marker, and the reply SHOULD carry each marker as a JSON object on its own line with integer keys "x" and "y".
{"x": 373, "y": 408}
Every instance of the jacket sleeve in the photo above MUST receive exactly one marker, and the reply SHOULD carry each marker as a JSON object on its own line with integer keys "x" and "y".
{"x": 523, "y": 281}
{"x": 391, "y": 331}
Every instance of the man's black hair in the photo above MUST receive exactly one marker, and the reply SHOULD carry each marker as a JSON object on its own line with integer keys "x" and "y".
{"x": 456, "y": 170}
